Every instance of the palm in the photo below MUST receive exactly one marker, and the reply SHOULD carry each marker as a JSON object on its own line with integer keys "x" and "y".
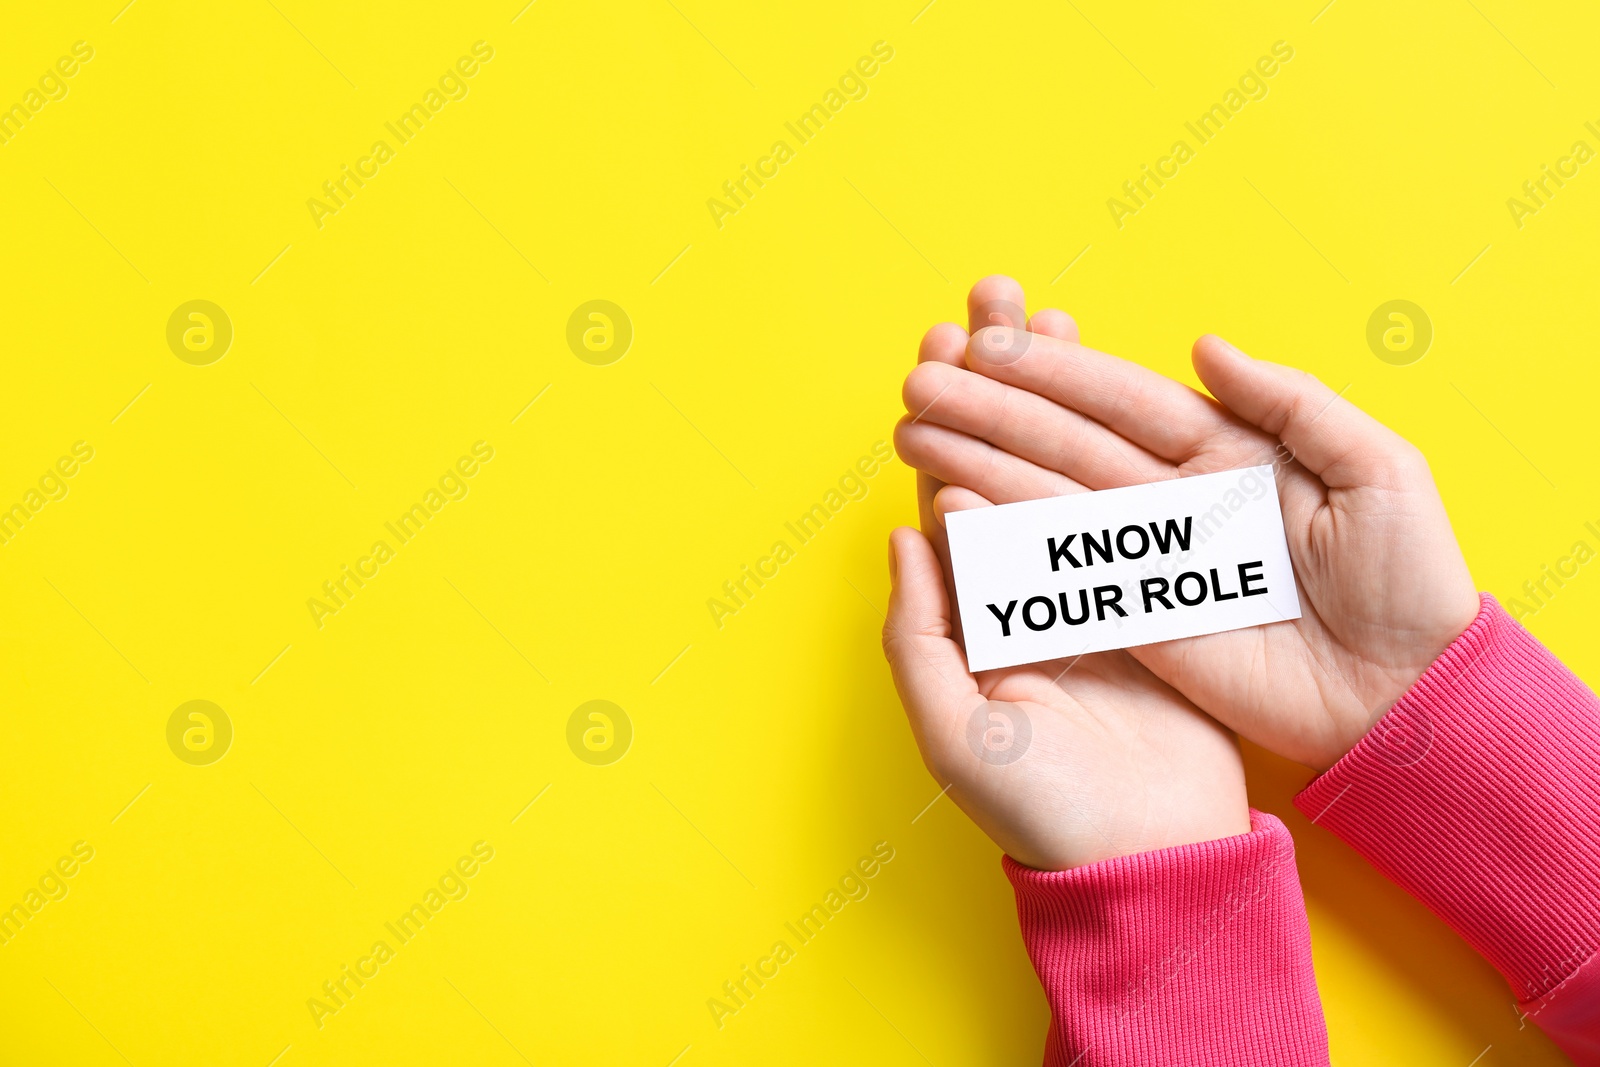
{"x": 1121, "y": 763}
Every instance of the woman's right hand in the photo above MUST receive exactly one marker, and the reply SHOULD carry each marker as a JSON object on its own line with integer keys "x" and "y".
{"x": 1383, "y": 584}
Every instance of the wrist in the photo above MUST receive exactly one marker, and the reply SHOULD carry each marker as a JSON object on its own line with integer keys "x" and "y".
{"x": 1084, "y": 846}
{"x": 1391, "y": 732}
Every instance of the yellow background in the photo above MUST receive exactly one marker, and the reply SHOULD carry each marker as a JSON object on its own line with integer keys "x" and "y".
{"x": 770, "y": 753}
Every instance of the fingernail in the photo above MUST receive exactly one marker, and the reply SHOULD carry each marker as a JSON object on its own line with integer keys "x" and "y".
{"x": 894, "y": 562}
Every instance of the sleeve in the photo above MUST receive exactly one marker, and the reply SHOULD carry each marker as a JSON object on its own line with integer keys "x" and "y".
{"x": 1479, "y": 793}
{"x": 1198, "y": 954}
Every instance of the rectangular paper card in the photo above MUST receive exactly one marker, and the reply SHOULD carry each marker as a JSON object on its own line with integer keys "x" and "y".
{"x": 1045, "y": 579}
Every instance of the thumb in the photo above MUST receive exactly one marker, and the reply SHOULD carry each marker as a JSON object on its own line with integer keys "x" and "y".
{"x": 1331, "y": 437}
{"x": 929, "y": 668}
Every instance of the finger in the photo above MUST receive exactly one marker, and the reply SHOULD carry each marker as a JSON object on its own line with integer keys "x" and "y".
{"x": 1165, "y": 417}
{"x": 996, "y": 301}
{"x": 1331, "y": 437}
{"x": 928, "y": 488}
{"x": 957, "y": 498}
{"x": 952, "y": 457}
{"x": 938, "y": 506}
{"x": 929, "y": 668}
{"x": 1030, "y": 427}
{"x": 1053, "y": 322}
{"x": 945, "y": 343}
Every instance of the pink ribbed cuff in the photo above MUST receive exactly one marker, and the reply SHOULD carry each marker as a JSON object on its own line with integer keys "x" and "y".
{"x": 1479, "y": 793}
{"x": 1570, "y": 1014}
{"x": 1198, "y": 954}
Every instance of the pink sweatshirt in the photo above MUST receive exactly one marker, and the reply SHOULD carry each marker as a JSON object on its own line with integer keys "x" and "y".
{"x": 1478, "y": 792}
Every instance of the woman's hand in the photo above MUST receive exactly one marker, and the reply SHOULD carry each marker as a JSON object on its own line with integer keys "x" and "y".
{"x": 1383, "y": 585}
{"x": 1061, "y": 763}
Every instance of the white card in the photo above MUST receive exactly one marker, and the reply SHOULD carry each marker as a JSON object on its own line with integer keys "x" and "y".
{"x": 1044, "y": 579}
